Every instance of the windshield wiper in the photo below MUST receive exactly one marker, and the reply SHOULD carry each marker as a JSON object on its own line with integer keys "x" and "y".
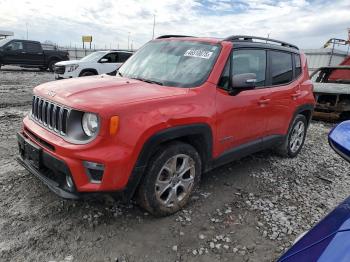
{"x": 148, "y": 80}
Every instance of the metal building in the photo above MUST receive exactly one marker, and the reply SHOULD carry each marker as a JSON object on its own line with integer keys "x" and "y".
{"x": 4, "y": 34}
{"x": 323, "y": 57}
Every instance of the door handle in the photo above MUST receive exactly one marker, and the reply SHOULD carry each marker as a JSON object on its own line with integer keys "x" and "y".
{"x": 264, "y": 101}
{"x": 23, "y": 52}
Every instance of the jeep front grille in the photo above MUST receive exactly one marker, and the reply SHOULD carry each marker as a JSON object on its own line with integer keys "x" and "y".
{"x": 50, "y": 115}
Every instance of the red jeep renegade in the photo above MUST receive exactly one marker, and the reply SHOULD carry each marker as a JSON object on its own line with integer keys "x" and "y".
{"x": 178, "y": 107}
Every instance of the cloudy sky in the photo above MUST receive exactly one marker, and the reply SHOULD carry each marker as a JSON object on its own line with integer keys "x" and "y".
{"x": 305, "y": 23}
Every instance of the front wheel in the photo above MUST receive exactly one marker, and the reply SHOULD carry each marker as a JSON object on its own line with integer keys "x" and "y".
{"x": 87, "y": 73}
{"x": 295, "y": 138}
{"x": 173, "y": 173}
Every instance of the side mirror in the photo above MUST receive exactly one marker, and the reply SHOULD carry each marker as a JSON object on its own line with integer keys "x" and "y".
{"x": 339, "y": 140}
{"x": 8, "y": 48}
{"x": 104, "y": 60}
{"x": 243, "y": 81}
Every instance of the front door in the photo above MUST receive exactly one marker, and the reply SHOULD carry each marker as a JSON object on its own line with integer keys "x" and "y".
{"x": 242, "y": 118}
{"x": 109, "y": 65}
{"x": 14, "y": 53}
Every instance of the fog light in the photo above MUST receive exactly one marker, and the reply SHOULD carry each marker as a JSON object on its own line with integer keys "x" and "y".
{"x": 94, "y": 171}
{"x": 69, "y": 182}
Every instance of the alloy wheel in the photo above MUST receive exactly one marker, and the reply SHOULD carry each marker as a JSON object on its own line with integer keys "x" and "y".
{"x": 297, "y": 136}
{"x": 175, "y": 180}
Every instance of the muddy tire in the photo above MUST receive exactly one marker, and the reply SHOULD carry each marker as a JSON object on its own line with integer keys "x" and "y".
{"x": 295, "y": 138}
{"x": 171, "y": 176}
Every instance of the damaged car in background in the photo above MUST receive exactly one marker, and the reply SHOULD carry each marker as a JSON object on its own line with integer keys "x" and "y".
{"x": 332, "y": 92}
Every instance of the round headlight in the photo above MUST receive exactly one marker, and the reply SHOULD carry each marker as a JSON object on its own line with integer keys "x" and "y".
{"x": 90, "y": 124}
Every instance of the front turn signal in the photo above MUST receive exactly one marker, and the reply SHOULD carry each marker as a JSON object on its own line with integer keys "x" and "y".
{"x": 114, "y": 125}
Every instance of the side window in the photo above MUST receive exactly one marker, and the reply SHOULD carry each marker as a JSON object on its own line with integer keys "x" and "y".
{"x": 111, "y": 57}
{"x": 250, "y": 61}
{"x": 297, "y": 65}
{"x": 281, "y": 68}
{"x": 224, "y": 82}
{"x": 15, "y": 45}
{"x": 33, "y": 47}
{"x": 123, "y": 57}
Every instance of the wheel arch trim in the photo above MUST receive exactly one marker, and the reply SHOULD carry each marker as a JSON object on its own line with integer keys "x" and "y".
{"x": 88, "y": 70}
{"x": 163, "y": 136}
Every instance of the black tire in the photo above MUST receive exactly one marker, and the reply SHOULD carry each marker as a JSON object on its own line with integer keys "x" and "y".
{"x": 158, "y": 173}
{"x": 51, "y": 65}
{"x": 87, "y": 73}
{"x": 344, "y": 116}
{"x": 287, "y": 149}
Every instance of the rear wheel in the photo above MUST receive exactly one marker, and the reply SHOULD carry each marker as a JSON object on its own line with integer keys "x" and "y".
{"x": 172, "y": 175}
{"x": 344, "y": 116}
{"x": 295, "y": 138}
{"x": 51, "y": 65}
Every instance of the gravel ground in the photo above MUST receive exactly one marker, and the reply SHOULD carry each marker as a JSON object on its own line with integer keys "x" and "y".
{"x": 249, "y": 210}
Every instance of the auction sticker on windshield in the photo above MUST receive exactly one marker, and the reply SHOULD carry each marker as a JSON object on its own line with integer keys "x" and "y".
{"x": 200, "y": 53}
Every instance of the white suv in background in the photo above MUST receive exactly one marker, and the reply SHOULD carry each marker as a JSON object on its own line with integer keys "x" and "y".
{"x": 100, "y": 62}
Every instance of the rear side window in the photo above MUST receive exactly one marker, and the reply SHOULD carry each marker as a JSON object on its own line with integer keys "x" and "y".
{"x": 122, "y": 57}
{"x": 281, "y": 67}
{"x": 297, "y": 65}
{"x": 250, "y": 61}
{"x": 33, "y": 47}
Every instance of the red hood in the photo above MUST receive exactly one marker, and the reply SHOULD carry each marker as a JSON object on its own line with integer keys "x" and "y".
{"x": 94, "y": 93}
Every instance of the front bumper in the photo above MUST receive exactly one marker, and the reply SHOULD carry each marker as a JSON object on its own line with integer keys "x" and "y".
{"x": 66, "y": 75}
{"x": 50, "y": 170}
{"x": 120, "y": 176}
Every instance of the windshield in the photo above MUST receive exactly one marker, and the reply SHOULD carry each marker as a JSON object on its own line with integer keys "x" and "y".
{"x": 4, "y": 41}
{"x": 93, "y": 57}
{"x": 172, "y": 63}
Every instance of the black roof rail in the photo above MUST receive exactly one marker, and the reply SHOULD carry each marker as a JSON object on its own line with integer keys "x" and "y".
{"x": 251, "y": 38}
{"x": 169, "y": 36}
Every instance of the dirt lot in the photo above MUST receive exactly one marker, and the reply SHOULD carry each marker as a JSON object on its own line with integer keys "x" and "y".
{"x": 249, "y": 210}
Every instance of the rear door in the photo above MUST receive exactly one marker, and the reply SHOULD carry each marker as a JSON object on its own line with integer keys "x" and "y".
{"x": 122, "y": 57}
{"x": 14, "y": 53}
{"x": 34, "y": 53}
{"x": 242, "y": 118}
{"x": 284, "y": 79}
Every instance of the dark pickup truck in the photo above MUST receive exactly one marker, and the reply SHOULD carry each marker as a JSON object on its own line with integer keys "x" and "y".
{"x": 27, "y": 53}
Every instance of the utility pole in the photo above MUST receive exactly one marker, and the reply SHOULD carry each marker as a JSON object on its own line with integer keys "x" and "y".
{"x": 154, "y": 25}
{"x": 27, "y": 30}
{"x": 128, "y": 39}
